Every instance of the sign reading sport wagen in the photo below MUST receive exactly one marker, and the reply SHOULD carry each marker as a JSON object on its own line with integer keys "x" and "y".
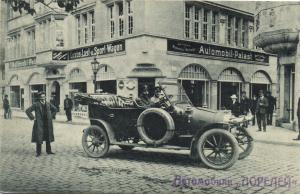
{"x": 203, "y": 49}
{"x": 94, "y": 50}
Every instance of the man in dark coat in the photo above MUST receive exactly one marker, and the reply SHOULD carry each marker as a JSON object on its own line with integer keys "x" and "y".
{"x": 245, "y": 104}
{"x": 261, "y": 110}
{"x": 271, "y": 107}
{"x": 253, "y": 108}
{"x": 6, "y": 106}
{"x": 43, "y": 127}
{"x": 68, "y": 105}
{"x": 298, "y": 115}
{"x": 234, "y": 106}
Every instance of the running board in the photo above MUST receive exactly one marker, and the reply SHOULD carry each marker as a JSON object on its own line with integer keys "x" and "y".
{"x": 169, "y": 147}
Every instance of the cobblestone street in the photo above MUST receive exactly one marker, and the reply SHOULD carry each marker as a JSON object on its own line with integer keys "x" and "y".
{"x": 139, "y": 170}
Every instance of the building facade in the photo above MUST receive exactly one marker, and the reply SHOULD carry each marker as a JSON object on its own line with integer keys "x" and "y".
{"x": 205, "y": 46}
{"x": 3, "y": 28}
{"x": 275, "y": 35}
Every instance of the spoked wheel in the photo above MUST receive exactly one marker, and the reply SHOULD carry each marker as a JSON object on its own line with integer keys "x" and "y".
{"x": 95, "y": 142}
{"x": 218, "y": 149}
{"x": 245, "y": 142}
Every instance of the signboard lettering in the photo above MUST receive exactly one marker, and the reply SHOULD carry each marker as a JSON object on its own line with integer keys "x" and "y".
{"x": 100, "y": 49}
{"x": 215, "y": 51}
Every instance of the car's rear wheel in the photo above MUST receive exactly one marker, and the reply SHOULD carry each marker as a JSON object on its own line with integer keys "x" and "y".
{"x": 95, "y": 142}
{"x": 218, "y": 149}
{"x": 245, "y": 142}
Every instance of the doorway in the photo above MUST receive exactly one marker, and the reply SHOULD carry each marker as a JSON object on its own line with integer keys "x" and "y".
{"x": 150, "y": 82}
{"x": 226, "y": 89}
{"x": 55, "y": 94}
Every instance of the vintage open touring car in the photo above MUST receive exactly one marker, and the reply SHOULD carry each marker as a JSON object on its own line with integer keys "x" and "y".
{"x": 217, "y": 138}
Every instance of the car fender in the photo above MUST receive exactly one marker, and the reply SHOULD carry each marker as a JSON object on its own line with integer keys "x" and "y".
{"x": 193, "y": 149}
{"x": 107, "y": 127}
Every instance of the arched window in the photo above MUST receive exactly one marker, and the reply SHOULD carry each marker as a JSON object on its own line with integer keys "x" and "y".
{"x": 193, "y": 72}
{"x": 230, "y": 75}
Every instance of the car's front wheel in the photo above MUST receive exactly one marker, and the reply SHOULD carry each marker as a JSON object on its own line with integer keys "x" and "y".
{"x": 218, "y": 149}
{"x": 95, "y": 142}
{"x": 245, "y": 142}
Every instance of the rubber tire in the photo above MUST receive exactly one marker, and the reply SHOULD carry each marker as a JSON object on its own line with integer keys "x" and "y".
{"x": 126, "y": 148}
{"x": 230, "y": 137}
{"x": 249, "y": 148}
{"x": 169, "y": 122}
{"x": 84, "y": 144}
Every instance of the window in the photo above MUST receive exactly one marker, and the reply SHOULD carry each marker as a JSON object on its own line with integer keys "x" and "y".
{"x": 78, "y": 29}
{"x": 229, "y": 27}
{"x": 59, "y": 34}
{"x": 187, "y": 22}
{"x": 197, "y": 23}
{"x": 205, "y": 24}
{"x": 15, "y": 97}
{"x": 121, "y": 20}
{"x": 30, "y": 43}
{"x": 112, "y": 22}
{"x": 244, "y": 43}
{"x": 236, "y": 31}
{"x": 214, "y": 26}
{"x": 85, "y": 27}
{"x": 93, "y": 28}
{"x": 130, "y": 17}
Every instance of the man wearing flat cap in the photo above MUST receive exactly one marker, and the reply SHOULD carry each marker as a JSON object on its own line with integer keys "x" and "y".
{"x": 261, "y": 110}
{"x": 43, "y": 127}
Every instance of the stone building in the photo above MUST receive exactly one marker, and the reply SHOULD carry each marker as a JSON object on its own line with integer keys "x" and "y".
{"x": 3, "y": 27}
{"x": 205, "y": 46}
{"x": 278, "y": 25}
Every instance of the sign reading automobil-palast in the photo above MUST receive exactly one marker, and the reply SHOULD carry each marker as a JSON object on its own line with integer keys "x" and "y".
{"x": 215, "y": 51}
{"x": 94, "y": 50}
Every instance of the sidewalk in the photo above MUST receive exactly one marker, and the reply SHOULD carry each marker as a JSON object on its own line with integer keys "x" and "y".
{"x": 275, "y": 135}
{"x": 60, "y": 118}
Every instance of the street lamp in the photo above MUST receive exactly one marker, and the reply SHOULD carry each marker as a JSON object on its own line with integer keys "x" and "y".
{"x": 95, "y": 67}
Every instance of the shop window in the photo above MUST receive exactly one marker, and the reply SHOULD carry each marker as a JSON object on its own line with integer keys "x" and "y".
{"x": 78, "y": 87}
{"x": 35, "y": 90}
{"x": 195, "y": 81}
{"x": 15, "y": 97}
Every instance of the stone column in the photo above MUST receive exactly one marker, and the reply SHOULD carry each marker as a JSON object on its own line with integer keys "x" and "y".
{"x": 297, "y": 81}
{"x": 250, "y": 33}
{"x": 214, "y": 94}
{"x": 222, "y": 29}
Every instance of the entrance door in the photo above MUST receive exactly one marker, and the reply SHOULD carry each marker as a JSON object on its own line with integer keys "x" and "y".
{"x": 256, "y": 87}
{"x": 226, "y": 89}
{"x": 150, "y": 82}
{"x": 289, "y": 87}
{"x": 55, "y": 94}
{"x": 35, "y": 89}
{"x": 195, "y": 91}
{"x": 22, "y": 98}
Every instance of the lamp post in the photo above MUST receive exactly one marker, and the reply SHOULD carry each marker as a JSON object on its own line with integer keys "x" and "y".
{"x": 95, "y": 67}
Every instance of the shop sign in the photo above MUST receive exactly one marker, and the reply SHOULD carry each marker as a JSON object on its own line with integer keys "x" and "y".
{"x": 203, "y": 49}
{"x": 89, "y": 51}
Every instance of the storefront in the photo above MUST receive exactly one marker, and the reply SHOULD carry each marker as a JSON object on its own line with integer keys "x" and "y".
{"x": 195, "y": 81}
{"x": 36, "y": 85}
{"x": 230, "y": 82}
{"x": 106, "y": 80}
{"x": 77, "y": 84}
{"x": 259, "y": 81}
{"x": 15, "y": 92}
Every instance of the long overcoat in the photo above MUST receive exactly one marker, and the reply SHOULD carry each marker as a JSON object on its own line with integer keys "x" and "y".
{"x": 262, "y": 105}
{"x": 40, "y": 126}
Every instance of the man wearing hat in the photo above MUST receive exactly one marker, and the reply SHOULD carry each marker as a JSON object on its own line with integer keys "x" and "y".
{"x": 261, "y": 110}
{"x": 43, "y": 127}
{"x": 234, "y": 106}
{"x": 298, "y": 115}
